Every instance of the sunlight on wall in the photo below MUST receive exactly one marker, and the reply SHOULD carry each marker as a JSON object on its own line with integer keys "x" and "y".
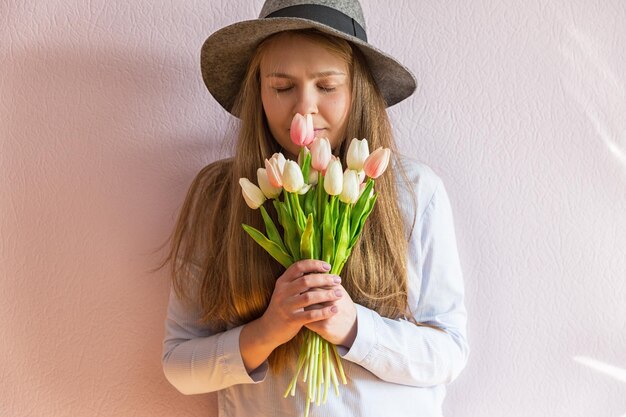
{"x": 605, "y": 368}
{"x": 601, "y": 97}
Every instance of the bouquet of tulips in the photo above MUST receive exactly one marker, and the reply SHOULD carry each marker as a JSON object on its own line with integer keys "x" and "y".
{"x": 322, "y": 213}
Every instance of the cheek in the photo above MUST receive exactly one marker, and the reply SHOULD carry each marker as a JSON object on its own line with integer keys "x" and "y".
{"x": 270, "y": 109}
{"x": 341, "y": 110}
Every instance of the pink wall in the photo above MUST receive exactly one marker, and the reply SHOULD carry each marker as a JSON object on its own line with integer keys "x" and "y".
{"x": 104, "y": 121}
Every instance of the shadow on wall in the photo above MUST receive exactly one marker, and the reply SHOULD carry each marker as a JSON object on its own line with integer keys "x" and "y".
{"x": 95, "y": 173}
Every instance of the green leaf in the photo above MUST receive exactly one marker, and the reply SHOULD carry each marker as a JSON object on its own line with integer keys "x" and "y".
{"x": 287, "y": 203}
{"x": 271, "y": 230}
{"x": 368, "y": 210}
{"x": 292, "y": 237}
{"x": 277, "y": 205}
{"x": 307, "y": 239}
{"x": 298, "y": 214}
{"x": 306, "y": 167}
{"x": 361, "y": 205}
{"x": 342, "y": 241}
{"x": 309, "y": 202}
{"x": 272, "y": 248}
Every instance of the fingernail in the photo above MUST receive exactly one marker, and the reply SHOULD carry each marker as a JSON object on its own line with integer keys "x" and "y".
{"x": 326, "y": 266}
{"x": 337, "y": 280}
{"x": 333, "y": 309}
{"x": 338, "y": 293}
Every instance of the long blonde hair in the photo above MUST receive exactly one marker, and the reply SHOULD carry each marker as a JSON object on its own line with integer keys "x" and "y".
{"x": 234, "y": 276}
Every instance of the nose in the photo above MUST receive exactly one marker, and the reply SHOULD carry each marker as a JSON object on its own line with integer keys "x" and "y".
{"x": 306, "y": 101}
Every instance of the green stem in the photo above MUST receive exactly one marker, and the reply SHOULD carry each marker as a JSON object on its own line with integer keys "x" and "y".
{"x": 338, "y": 359}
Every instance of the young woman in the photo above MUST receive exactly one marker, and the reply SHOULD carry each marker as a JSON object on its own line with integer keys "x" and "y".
{"x": 396, "y": 313}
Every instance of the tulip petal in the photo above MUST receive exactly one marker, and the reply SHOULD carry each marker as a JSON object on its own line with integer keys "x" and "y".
{"x": 310, "y": 130}
{"x": 298, "y": 130}
{"x": 333, "y": 180}
{"x": 377, "y": 162}
{"x": 293, "y": 179}
{"x": 266, "y": 186}
{"x": 252, "y": 194}
{"x": 272, "y": 248}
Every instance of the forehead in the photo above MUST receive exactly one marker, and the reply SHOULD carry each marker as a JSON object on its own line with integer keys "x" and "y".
{"x": 293, "y": 53}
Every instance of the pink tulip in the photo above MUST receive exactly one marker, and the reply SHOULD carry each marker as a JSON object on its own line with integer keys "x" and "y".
{"x": 310, "y": 130}
{"x": 377, "y": 162}
{"x": 274, "y": 167}
{"x": 302, "y": 132}
{"x": 320, "y": 154}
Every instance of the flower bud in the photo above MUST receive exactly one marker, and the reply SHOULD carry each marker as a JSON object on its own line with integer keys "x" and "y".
{"x": 266, "y": 186}
{"x": 292, "y": 177}
{"x": 310, "y": 130}
{"x": 251, "y": 193}
{"x": 333, "y": 180}
{"x": 313, "y": 174}
{"x": 302, "y": 131}
{"x": 377, "y": 162}
{"x": 320, "y": 153}
{"x": 350, "y": 192}
{"x": 274, "y": 167}
{"x": 358, "y": 151}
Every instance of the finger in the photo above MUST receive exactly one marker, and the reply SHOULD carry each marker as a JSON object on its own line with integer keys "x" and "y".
{"x": 305, "y": 266}
{"x": 322, "y": 305}
{"x": 310, "y": 316}
{"x": 310, "y": 281}
{"x": 309, "y": 298}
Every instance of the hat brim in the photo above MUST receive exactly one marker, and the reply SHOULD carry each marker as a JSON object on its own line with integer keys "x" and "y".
{"x": 226, "y": 53}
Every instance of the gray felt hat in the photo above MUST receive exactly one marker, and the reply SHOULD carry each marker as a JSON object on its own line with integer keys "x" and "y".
{"x": 226, "y": 53}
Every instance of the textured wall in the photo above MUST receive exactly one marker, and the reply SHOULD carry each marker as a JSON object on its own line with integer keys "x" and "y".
{"x": 104, "y": 121}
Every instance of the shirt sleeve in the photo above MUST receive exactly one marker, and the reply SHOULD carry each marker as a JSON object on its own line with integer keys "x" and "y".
{"x": 399, "y": 351}
{"x": 196, "y": 360}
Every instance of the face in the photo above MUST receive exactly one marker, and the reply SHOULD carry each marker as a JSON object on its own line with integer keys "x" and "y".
{"x": 299, "y": 76}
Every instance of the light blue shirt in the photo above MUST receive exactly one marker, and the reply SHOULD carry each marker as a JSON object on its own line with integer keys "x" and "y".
{"x": 394, "y": 368}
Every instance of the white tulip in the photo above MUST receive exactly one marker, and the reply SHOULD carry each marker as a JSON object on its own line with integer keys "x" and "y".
{"x": 358, "y": 151}
{"x": 266, "y": 186}
{"x": 361, "y": 175}
{"x": 292, "y": 177}
{"x": 333, "y": 180}
{"x": 350, "y": 191}
{"x": 251, "y": 193}
{"x": 305, "y": 188}
{"x": 312, "y": 176}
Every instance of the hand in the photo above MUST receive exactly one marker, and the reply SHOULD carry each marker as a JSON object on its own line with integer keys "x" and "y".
{"x": 304, "y": 284}
{"x": 340, "y": 328}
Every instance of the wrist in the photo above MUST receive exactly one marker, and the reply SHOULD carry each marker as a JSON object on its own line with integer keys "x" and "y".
{"x": 350, "y": 337}
{"x": 255, "y": 345}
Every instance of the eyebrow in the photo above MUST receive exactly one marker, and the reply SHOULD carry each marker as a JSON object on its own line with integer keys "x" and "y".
{"x": 316, "y": 75}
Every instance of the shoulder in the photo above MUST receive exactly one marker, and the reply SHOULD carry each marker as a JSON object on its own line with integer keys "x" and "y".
{"x": 415, "y": 181}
